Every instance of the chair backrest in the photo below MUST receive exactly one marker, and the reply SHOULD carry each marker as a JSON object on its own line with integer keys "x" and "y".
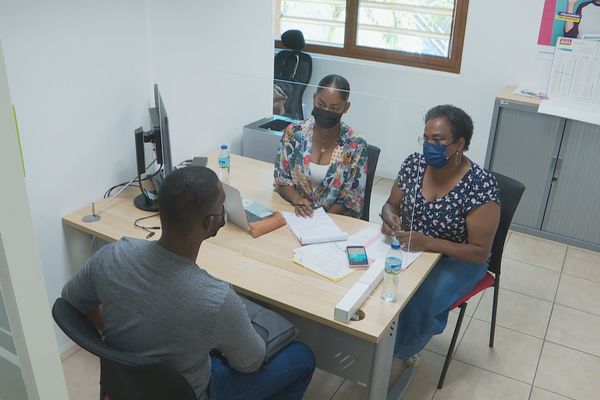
{"x": 511, "y": 191}
{"x": 122, "y": 375}
{"x": 373, "y": 157}
{"x": 292, "y": 72}
{"x": 293, "y": 64}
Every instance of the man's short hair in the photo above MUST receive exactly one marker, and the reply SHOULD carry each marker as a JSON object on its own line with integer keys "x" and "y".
{"x": 187, "y": 195}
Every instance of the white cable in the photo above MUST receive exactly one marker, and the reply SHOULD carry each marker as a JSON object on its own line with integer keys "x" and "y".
{"x": 121, "y": 190}
{"x": 412, "y": 218}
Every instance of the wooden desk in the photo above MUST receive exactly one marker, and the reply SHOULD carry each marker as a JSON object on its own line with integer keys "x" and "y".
{"x": 262, "y": 269}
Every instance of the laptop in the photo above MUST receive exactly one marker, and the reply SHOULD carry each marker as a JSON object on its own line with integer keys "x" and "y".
{"x": 240, "y": 211}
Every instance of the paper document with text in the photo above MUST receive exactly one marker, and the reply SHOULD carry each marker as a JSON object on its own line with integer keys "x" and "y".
{"x": 318, "y": 229}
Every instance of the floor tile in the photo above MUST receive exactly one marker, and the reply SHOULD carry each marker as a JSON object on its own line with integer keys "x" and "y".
{"x": 514, "y": 354}
{"x": 579, "y": 294}
{"x": 382, "y": 189}
{"x": 583, "y": 263}
{"x": 465, "y": 382}
{"x": 351, "y": 391}
{"x": 322, "y": 386}
{"x": 440, "y": 343}
{"x": 422, "y": 387}
{"x": 529, "y": 279}
{"x": 424, "y": 383}
{"x": 541, "y": 394}
{"x": 568, "y": 372}
{"x": 516, "y": 311}
{"x": 575, "y": 329}
{"x": 82, "y": 375}
{"x": 535, "y": 251}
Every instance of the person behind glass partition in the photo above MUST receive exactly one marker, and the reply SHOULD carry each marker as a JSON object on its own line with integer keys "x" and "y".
{"x": 322, "y": 162}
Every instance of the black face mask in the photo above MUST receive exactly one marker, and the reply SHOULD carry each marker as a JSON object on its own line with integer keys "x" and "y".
{"x": 326, "y": 119}
{"x": 218, "y": 223}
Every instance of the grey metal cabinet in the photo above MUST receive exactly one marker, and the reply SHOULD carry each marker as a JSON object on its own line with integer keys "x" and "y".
{"x": 574, "y": 202}
{"x": 558, "y": 160}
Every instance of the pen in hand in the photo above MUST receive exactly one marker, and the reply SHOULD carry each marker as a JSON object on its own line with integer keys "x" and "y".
{"x": 388, "y": 224}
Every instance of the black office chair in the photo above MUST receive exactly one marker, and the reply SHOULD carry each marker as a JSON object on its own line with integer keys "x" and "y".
{"x": 292, "y": 72}
{"x": 510, "y": 194}
{"x": 123, "y": 376}
{"x": 373, "y": 157}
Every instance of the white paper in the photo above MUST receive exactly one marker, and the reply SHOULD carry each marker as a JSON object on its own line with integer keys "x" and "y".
{"x": 531, "y": 92}
{"x": 330, "y": 260}
{"x": 324, "y": 260}
{"x": 317, "y": 229}
{"x": 574, "y": 86}
{"x": 576, "y": 110}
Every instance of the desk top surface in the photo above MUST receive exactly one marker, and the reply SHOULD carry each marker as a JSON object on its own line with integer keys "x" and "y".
{"x": 262, "y": 268}
{"x": 507, "y": 94}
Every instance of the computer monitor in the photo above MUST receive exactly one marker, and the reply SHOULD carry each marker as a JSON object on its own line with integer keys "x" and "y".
{"x": 159, "y": 136}
{"x": 162, "y": 142}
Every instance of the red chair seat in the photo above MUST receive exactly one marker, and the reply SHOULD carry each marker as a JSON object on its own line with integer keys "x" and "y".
{"x": 487, "y": 281}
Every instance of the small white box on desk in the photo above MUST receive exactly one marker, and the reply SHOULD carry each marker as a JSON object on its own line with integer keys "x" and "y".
{"x": 346, "y": 308}
{"x": 374, "y": 274}
{"x": 358, "y": 293}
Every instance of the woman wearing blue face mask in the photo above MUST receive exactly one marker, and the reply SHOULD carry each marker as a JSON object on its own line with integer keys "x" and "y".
{"x": 456, "y": 213}
{"x": 322, "y": 162}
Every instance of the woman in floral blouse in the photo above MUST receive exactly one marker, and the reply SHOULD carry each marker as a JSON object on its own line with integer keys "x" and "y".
{"x": 321, "y": 162}
{"x": 452, "y": 207}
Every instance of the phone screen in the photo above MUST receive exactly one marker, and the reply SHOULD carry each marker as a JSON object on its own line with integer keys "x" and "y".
{"x": 357, "y": 256}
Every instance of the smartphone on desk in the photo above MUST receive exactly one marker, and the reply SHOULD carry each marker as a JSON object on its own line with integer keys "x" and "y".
{"x": 357, "y": 257}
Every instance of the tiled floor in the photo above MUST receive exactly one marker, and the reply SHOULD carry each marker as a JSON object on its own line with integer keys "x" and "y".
{"x": 547, "y": 343}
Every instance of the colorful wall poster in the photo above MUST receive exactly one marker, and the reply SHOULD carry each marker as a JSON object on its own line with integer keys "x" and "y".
{"x": 577, "y": 19}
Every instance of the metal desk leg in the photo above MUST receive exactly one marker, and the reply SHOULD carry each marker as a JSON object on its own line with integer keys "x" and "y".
{"x": 397, "y": 391}
{"x": 382, "y": 365}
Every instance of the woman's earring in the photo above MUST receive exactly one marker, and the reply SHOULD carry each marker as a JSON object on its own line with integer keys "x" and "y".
{"x": 458, "y": 159}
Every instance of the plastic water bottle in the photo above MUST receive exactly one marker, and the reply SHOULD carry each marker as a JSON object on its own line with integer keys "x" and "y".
{"x": 391, "y": 272}
{"x": 224, "y": 163}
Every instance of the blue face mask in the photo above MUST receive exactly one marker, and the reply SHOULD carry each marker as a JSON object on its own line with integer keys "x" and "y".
{"x": 435, "y": 155}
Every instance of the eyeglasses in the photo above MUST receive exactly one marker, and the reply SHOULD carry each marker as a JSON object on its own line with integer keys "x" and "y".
{"x": 437, "y": 142}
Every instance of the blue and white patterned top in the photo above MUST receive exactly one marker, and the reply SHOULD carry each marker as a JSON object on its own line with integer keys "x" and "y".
{"x": 446, "y": 217}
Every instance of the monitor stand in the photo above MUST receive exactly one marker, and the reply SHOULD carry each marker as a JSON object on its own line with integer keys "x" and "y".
{"x": 143, "y": 202}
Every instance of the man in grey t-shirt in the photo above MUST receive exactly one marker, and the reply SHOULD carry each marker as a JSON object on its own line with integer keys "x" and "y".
{"x": 153, "y": 300}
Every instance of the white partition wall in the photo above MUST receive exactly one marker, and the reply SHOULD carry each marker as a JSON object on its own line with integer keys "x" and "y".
{"x": 213, "y": 61}
{"x": 77, "y": 73}
{"x": 29, "y": 363}
{"x": 81, "y": 77}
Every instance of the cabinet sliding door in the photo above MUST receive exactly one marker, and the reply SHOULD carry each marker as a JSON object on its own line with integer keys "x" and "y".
{"x": 574, "y": 205}
{"x": 525, "y": 148}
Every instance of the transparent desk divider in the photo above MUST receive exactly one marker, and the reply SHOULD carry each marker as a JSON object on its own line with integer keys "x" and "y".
{"x": 388, "y": 122}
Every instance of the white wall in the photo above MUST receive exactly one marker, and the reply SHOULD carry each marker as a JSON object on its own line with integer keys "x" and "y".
{"x": 213, "y": 61}
{"x": 29, "y": 363}
{"x": 81, "y": 76}
{"x": 77, "y": 73}
{"x": 500, "y": 49}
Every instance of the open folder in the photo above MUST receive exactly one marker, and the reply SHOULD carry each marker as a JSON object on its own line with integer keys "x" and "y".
{"x": 320, "y": 228}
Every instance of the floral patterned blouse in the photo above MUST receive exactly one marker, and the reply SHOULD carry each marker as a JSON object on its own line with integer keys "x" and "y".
{"x": 346, "y": 177}
{"x": 446, "y": 217}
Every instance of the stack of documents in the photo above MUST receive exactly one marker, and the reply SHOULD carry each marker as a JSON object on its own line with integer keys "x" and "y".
{"x": 330, "y": 261}
{"x": 318, "y": 229}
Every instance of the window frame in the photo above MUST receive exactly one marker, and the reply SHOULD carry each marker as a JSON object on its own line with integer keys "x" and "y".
{"x": 352, "y": 50}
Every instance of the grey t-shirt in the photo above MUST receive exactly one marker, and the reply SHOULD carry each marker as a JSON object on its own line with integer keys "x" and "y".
{"x": 162, "y": 305}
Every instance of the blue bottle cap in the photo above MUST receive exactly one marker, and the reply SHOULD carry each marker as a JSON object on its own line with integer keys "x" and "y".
{"x": 395, "y": 244}
{"x": 223, "y": 147}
